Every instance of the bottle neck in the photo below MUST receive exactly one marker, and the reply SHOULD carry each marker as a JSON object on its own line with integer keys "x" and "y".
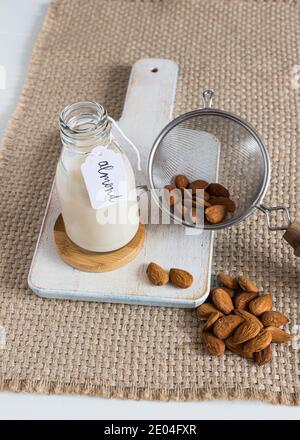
{"x": 84, "y": 125}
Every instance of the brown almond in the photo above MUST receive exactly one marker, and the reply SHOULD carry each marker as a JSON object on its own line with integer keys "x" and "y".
{"x": 264, "y": 356}
{"x": 228, "y": 281}
{"x": 213, "y": 317}
{"x": 216, "y": 214}
{"x": 157, "y": 275}
{"x": 261, "y": 304}
{"x": 200, "y": 202}
{"x": 205, "y": 310}
{"x": 230, "y": 205}
{"x": 198, "y": 184}
{"x": 247, "y": 284}
{"x": 230, "y": 292}
{"x": 242, "y": 299}
{"x": 216, "y": 189}
{"x": 247, "y": 330}
{"x": 206, "y": 196}
{"x": 278, "y": 335}
{"x": 259, "y": 342}
{"x": 248, "y": 317}
{"x": 215, "y": 346}
{"x": 172, "y": 196}
{"x": 222, "y": 300}
{"x": 181, "y": 181}
{"x": 237, "y": 348}
{"x": 225, "y": 326}
{"x": 181, "y": 278}
{"x": 272, "y": 318}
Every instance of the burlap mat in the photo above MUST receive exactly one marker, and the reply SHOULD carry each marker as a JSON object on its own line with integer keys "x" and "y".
{"x": 245, "y": 51}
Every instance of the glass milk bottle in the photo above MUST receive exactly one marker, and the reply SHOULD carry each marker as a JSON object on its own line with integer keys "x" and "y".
{"x": 95, "y": 181}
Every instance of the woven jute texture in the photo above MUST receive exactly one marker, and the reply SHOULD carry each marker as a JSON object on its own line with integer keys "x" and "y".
{"x": 245, "y": 51}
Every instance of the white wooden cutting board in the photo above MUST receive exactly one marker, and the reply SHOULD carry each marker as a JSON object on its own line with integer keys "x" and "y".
{"x": 148, "y": 108}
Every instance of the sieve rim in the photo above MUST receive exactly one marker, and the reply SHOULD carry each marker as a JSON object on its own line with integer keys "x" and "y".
{"x": 208, "y": 111}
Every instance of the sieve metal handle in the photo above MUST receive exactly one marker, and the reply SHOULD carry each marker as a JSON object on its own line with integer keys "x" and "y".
{"x": 292, "y": 229}
{"x": 266, "y": 210}
{"x": 207, "y": 98}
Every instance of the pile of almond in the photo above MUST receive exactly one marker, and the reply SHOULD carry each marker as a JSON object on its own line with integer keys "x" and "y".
{"x": 187, "y": 203}
{"x": 240, "y": 319}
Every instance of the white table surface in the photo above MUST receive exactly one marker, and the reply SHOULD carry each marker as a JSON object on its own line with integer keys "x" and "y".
{"x": 19, "y": 24}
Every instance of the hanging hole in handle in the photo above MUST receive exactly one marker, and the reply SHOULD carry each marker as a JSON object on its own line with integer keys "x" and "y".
{"x": 154, "y": 70}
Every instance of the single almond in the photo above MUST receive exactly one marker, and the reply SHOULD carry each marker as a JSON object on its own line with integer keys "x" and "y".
{"x": 264, "y": 356}
{"x": 172, "y": 195}
{"x": 215, "y": 346}
{"x": 198, "y": 184}
{"x": 272, "y": 318}
{"x": 247, "y": 284}
{"x": 206, "y": 196}
{"x": 216, "y": 189}
{"x": 157, "y": 275}
{"x": 222, "y": 300}
{"x": 230, "y": 292}
{"x": 237, "y": 348}
{"x": 247, "y": 330}
{"x": 278, "y": 335}
{"x": 248, "y": 317}
{"x": 181, "y": 181}
{"x": 228, "y": 281}
{"x": 242, "y": 299}
{"x": 259, "y": 342}
{"x": 213, "y": 317}
{"x": 261, "y": 304}
{"x": 181, "y": 278}
{"x": 198, "y": 202}
{"x": 225, "y": 326}
{"x": 230, "y": 205}
{"x": 216, "y": 214}
{"x": 205, "y": 310}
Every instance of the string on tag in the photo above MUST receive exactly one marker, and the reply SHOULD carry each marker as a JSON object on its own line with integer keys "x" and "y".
{"x": 114, "y": 123}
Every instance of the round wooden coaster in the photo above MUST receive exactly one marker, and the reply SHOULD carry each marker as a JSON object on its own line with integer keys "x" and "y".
{"x": 88, "y": 261}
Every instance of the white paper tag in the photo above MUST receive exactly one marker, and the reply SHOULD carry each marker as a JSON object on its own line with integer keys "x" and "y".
{"x": 105, "y": 177}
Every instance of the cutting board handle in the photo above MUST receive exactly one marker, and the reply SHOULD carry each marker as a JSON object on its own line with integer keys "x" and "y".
{"x": 148, "y": 106}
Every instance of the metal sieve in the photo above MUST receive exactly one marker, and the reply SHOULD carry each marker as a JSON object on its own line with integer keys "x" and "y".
{"x": 214, "y": 144}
